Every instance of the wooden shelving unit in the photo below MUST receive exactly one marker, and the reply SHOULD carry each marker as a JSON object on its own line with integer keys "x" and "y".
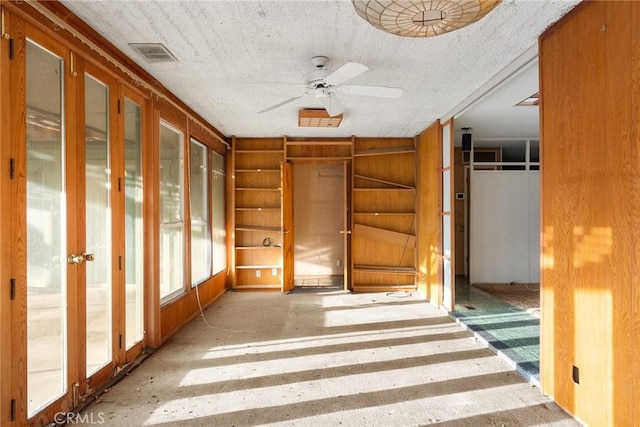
{"x": 258, "y": 213}
{"x": 317, "y": 150}
{"x": 384, "y": 200}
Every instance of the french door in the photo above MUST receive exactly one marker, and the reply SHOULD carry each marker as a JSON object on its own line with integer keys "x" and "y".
{"x": 82, "y": 217}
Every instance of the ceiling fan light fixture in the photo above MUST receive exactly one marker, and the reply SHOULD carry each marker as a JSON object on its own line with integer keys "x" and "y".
{"x": 428, "y": 17}
{"x": 422, "y": 19}
{"x": 321, "y": 92}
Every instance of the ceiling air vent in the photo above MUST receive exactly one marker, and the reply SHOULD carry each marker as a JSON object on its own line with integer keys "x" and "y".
{"x": 153, "y": 52}
{"x": 317, "y": 118}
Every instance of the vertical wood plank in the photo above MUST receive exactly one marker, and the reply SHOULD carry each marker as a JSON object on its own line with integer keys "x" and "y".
{"x": 428, "y": 161}
{"x": 231, "y": 217}
{"x": 74, "y": 190}
{"x": 635, "y": 207}
{"x": 622, "y": 163}
{"x": 558, "y": 59}
{"x": 151, "y": 209}
{"x": 593, "y": 226}
{"x": 287, "y": 227}
{"x": 452, "y": 214}
{"x": 6, "y": 225}
{"x": 17, "y": 128}
{"x": 346, "y": 227}
{"x": 76, "y": 194}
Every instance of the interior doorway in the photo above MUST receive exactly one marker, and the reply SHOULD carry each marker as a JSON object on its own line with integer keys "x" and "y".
{"x": 319, "y": 218}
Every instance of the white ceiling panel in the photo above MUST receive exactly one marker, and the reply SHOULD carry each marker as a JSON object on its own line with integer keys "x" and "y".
{"x": 238, "y": 57}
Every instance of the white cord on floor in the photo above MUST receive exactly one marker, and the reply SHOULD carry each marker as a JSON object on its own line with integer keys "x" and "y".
{"x": 399, "y": 294}
{"x": 213, "y": 327}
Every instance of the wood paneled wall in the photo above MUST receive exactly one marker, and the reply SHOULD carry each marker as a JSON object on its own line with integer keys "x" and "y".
{"x": 590, "y": 196}
{"x": 384, "y": 203}
{"x": 21, "y": 20}
{"x": 174, "y": 316}
{"x": 428, "y": 165}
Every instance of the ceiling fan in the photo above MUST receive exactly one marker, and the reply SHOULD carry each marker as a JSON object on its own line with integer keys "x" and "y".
{"x": 324, "y": 84}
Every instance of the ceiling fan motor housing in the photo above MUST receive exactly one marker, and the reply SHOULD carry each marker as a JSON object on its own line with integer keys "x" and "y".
{"x": 319, "y": 61}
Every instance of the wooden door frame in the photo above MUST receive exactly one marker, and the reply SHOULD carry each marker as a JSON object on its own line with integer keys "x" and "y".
{"x": 7, "y": 218}
{"x": 21, "y": 31}
{"x": 347, "y": 221}
{"x": 287, "y": 227}
{"x": 450, "y": 304}
{"x": 105, "y": 372}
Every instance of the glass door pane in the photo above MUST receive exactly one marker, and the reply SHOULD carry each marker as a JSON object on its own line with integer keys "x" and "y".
{"x": 46, "y": 229}
{"x": 171, "y": 212}
{"x": 98, "y": 226}
{"x": 134, "y": 288}
{"x": 200, "y": 235}
{"x": 219, "y": 249}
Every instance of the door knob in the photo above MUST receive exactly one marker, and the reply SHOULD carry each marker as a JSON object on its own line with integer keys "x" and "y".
{"x": 75, "y": 259}
{"x": 345, "y": 232}
{"x": 79, "y": 259}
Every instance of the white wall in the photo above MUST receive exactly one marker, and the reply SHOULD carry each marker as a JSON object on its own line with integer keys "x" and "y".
{"x": 504, "y": 227}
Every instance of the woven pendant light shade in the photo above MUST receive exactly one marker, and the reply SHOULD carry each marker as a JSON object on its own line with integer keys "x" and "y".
{"x": 415, "y": 18}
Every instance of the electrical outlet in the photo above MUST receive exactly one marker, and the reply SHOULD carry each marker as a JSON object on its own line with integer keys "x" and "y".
{"x": 274, "y": 271}
{"x": 258, "y": 273}
{"x": 339, "y": 263}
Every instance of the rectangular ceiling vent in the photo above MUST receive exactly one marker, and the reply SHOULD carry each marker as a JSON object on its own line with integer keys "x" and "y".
{"x": 153, "y": 52}
{"x": 317, "y": 118}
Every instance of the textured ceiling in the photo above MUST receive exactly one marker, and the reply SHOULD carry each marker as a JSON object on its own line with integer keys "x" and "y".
{"x": 238, "y": 57}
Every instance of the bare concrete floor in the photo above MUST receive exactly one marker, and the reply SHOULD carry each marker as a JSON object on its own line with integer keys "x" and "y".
{"x": 324, "y": 358}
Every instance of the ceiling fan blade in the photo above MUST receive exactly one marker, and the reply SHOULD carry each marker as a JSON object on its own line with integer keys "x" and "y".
{"x": 381, "y": 91}
{"x": 332, "y": 105}
{"x": 344, "y": 73}
{"x": 280, "y": 104}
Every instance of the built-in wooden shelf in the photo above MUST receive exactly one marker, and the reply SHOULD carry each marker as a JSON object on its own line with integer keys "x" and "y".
{"x": 384, "y": 213}
{"x": 411, "y": 189}
{"x": 383, "y": 220}
{"x": 384, "y": 150}
{"x": 317, "y": 143}
{"x": 258, "y": 267}
{"x": 408, "y": 287}
{"x": 303, "y": 159}
{"x": 382, "y": 181}
{"x": 383, "y": 235}
{"x": 317, "y": 150}
{"x": 259, "y": 170}
{"x": 258, "y": 209}
{"x": 384, "y": 269}
{"x": 259, "y": 151}
{"x": 256, "y": 228}
{"x": 252, "y": 248}
{"x": 257, "y": 287}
